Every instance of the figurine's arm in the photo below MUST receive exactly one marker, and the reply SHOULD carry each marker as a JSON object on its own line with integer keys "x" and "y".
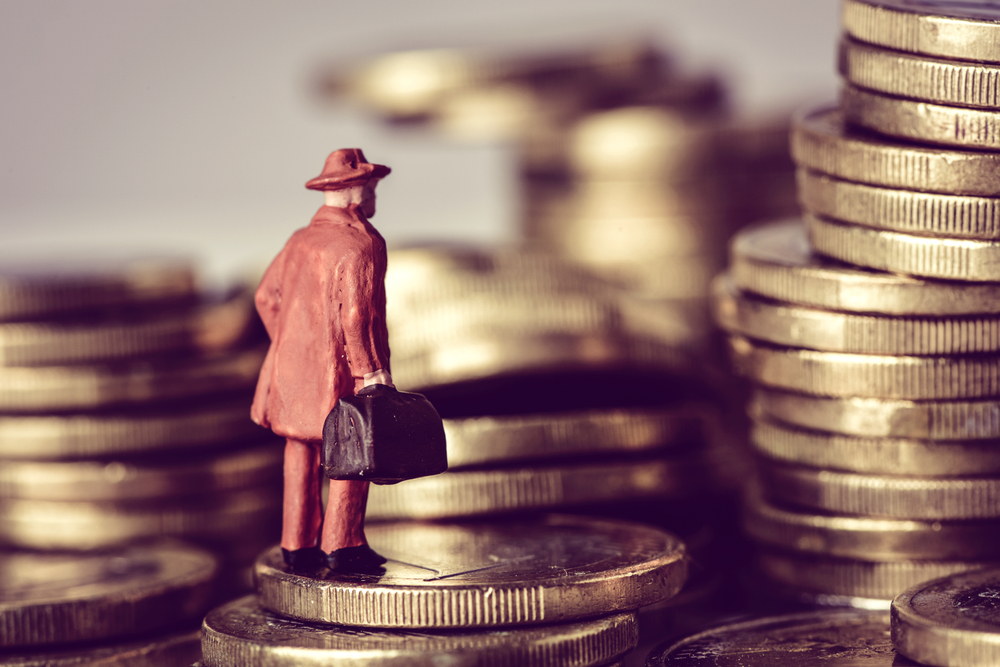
{"x": 363, "y": 321}
{"x": 268, "y": 296}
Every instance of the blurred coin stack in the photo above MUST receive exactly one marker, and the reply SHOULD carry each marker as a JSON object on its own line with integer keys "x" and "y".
{"x": 877, "y": 408}
{"x": 123, "y": 413}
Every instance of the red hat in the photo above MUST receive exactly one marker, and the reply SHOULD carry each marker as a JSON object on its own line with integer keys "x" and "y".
{"x": 345, "y": 168}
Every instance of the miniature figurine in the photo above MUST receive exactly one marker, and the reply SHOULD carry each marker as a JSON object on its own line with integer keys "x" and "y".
{"x": 322, "y": 301}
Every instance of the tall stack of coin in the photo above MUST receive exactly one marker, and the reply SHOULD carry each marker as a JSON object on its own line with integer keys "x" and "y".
{"x": 877, "y": 401}
{"x": 123, "y": 412}
{"x": 554, "y": 591}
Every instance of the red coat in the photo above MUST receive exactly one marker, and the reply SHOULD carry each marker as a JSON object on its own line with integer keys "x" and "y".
{"x": 322, "y": 302}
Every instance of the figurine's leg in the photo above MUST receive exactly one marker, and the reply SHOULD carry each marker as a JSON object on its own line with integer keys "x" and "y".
{"x": 302, "y": 507}
{"x": 344, "y": 529}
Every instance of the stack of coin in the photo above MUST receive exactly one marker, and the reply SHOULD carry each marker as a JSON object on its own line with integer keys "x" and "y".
{"x": 123, "y": 412}
{"x": 130, "y": 606}
{"x": 876, "y": 407}
{"x": 549, "y": 592}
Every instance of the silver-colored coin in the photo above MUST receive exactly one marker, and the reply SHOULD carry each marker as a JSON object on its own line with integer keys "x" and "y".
{"x": 175, "y": 650}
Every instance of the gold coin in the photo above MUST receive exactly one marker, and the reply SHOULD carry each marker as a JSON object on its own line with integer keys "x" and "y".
{"x": 821, "y": 141}
{"x": 889, "y": 456}
{"x": 482, "y": 440}
{"x": 907, "y": 211}
{"x": 949, "y": 621}
{"x": 78, "y": 525}
{"x": 495, "y": 574}
{"x": 58, "y": 388}
{"x": 168, "y": 477}
{"x": 483, "y": 492}
{"x": 834, "y": 638}
{"x": 962, "y": 84}
{"x": 775, "y": 261}
{"x": 80, "y": 436}
{"x": 867, "y": 375}
{"x": 926, "y": 256}
{"x": 878, "y": 417}
{"x": 867, "y": 538}
{"x": 51, "y": 598}
{"x": 240, "y": 633}
{"x": 176, "y": 650}
{"x": 898, "y": 497}
{"x": 35, "y": 289}
{"x": 854, "y": 578}
{"x": 963, "y": 31}
{"x": 922, "y": 121}
{"x": 795, "y": 326}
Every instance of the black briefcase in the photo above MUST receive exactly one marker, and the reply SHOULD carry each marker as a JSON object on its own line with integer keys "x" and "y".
{"x": 383, "y": 436}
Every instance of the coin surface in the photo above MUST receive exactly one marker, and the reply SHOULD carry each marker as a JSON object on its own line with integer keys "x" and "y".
{"x": 57, "y": 388}
{"x": 960, "y": 30}
{"x": 922, "y": 121}
{"x": 952, "y": 621}
{"x": 823, "y": 142}
{"x": 898, "y": 497}
{"x": 866, "y": 375}
{"x": 165, "y": 477}
{"x": 797, "y": 326}
{"x": 908, "y": 211}
{"x": 496, "y": 574}
{"x": 867, "y": 538}
{"x": 890, "y": 456}
{"x": 877, "y": 417}
{"x": 481, "y": 440}
{"x": 241, "y": 633}
{"x": 52, "y": 598}
{"x": 775, "y": 261}
{"x": 482, "y": 492}
{"x": 956, "y": 83}
{"x": 127, "y": 433}
{"x": 834, "y": 638}
{"x": 177, "y": 650}
{"x": 930, "y": 257}
{"x": 855, "y": 578}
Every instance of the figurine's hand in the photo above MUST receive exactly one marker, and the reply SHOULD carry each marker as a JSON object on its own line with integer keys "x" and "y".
{"x": 378, "y": 377}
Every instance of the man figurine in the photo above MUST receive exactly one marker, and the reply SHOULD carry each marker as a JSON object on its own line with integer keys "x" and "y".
{"x": 322, "y": 301}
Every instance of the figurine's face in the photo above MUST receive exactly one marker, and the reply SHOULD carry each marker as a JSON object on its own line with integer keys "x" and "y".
{"x": 367, "y": 203}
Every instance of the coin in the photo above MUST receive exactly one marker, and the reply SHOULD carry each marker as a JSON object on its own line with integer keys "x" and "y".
{"x": 867, "y": 538}
{"x": 480, "y": 440}
{"x": 908, "y": 211}
{"x": 795, "y": 326}
{"x": 876, "y": 417}
{"x": 177, "y": 650}
{"x": 930, "y": 257}
{"x": 167, "y": 477}
{"x": 867, "y": 375}
{"x": 922, "y": 121}
{"x": 960, "y": 30}
{"x": 241, "y": 633}
{"x": 79, "y": 436}
{"x": 889, "y": 456}
{"x": 956, "y": 83}
{"x": 494, "y": 574}
{"x": 81, "y": 525}
{"x": 52, "y": 598}
{"x": 951, "y": 621}
{"x": 480, "y": 492}
{"x": 775, "y": 261}
{"x": 834, "y": 638}
{"x": 898, "y": 497}
{"x": 57, "y": 388}
{"x": 855, "y": 578}
{"x": 821, "y": 141}
{"x": 33, "y": 289}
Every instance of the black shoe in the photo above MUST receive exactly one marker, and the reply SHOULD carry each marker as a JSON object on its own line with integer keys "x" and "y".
{"x": 355, "y": 560}
{"x": 308, "y": 559}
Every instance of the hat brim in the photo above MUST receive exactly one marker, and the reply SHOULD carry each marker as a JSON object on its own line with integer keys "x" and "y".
{"x": 364, "y": 173}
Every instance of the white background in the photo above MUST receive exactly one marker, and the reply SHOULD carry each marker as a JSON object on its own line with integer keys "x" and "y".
{"x": 190, "y": 126}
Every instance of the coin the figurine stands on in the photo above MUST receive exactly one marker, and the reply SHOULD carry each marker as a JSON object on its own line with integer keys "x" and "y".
{"x": 322, "y": 301}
